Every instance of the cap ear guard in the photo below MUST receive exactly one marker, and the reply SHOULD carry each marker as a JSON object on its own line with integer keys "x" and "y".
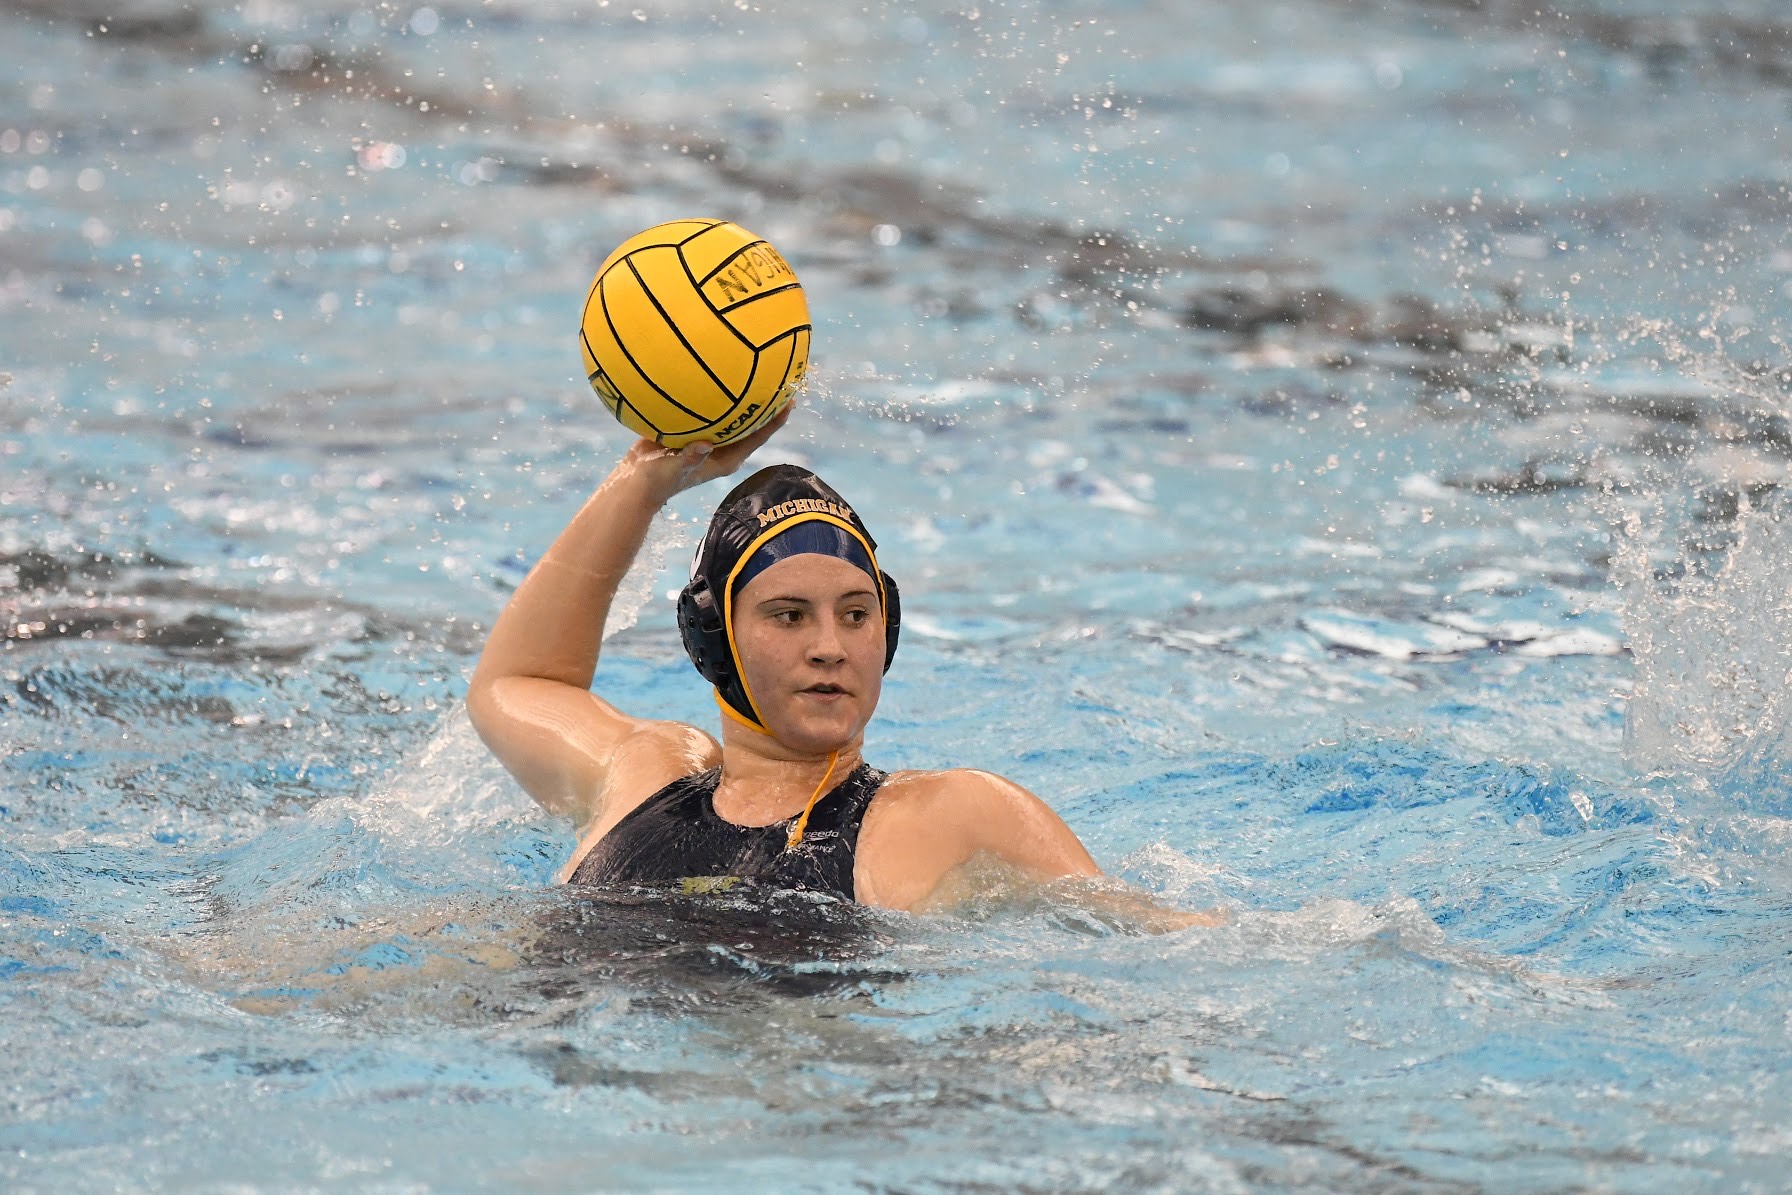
{"x": 892, "y": 617}
{"x": 705, "y": 640}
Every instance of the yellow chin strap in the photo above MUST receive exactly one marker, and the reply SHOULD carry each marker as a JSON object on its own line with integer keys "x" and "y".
{"x": 729, "y": 711}
{"x": 802, "y": 821}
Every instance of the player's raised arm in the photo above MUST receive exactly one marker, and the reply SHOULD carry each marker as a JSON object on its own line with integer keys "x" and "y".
{"x": 530, "y": 697}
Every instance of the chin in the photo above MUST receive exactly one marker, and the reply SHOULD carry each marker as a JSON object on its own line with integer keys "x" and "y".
{"x": 818, "y": 735}
{"x": 815, "y": 738}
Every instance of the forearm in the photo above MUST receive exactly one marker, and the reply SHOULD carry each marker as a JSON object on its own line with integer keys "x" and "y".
{"x": 991, "y": 880}
{"x": 1129, "y": 908}
{"x": 552, "y": 627}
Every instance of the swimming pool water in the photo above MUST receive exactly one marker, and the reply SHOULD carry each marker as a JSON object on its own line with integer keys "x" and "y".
{"x": 1332, "y": 452}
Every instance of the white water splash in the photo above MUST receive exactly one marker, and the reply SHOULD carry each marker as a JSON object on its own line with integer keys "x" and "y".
{"x": 1713, "y": 688}
{"x": 636, "y": 590}
{"x": 446, "y": 791}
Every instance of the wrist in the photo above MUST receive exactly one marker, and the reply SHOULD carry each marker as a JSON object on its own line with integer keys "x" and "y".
{"x": 650, "y": 471}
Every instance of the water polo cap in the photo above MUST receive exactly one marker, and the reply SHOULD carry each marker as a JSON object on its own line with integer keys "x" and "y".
{"x": 779, "y": 512}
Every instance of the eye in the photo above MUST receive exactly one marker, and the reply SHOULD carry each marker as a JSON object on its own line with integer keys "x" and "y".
{"x": 857, "y": 616}
{"x": 788, "y": 618}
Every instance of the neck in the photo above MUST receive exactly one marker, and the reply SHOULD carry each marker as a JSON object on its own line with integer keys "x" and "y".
{"x": 765, "y": 781}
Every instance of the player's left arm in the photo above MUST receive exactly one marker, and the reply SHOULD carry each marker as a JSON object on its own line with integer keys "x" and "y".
{"x": 962, "y": 835}
{"x": 999, "y": 818}
{"x": 925, "y": 829}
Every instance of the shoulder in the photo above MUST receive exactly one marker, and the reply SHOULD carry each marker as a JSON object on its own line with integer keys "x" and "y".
{"x": 967, "y": 788}
{"x": 964, "y": 804}
{"x": 570, "y": 749}
{"x": 645, "y": 757}
{"x": 649, "y": 757}
{"x": 644, "y": 761}
{"x": 684, "y": 745}
{"x": 924, "y": 826}
{"x": 951, "y": 793}
{"x": 952, "y": 808}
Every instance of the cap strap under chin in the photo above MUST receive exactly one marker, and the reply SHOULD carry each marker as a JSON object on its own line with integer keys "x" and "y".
{"x": 728, "y": 711}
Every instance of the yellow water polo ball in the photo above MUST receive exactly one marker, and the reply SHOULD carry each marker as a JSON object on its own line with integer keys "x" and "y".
{"x": 695, "y": 330}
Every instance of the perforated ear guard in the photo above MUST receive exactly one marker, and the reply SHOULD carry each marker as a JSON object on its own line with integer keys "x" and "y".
{"x": 892, "y": 617}
{"x": 706, "y": 640}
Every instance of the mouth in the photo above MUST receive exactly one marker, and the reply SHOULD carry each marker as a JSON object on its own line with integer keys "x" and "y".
{"x": 826, "y": 689}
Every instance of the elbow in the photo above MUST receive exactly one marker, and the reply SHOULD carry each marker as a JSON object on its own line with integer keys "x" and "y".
{"x": 486, "y": 693}
{"x": 481, "y": 706}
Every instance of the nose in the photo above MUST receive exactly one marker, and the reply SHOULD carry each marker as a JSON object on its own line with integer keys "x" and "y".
{"x": 825, "y": 646}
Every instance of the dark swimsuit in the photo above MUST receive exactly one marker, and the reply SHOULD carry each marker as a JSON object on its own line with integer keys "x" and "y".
{"x": 676, "y": 837}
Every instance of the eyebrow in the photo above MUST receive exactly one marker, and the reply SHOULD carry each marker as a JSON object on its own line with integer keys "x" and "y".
{"x": 856, "y": 593}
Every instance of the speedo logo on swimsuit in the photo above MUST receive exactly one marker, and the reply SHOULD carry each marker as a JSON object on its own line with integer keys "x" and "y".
{"x": 797, "y": 506}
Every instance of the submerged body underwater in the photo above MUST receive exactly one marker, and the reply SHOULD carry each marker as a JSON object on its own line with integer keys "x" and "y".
{"x": 1332, "y": 453}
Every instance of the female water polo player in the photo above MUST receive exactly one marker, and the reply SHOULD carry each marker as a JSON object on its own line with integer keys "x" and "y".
{"x": 788, "y": 615}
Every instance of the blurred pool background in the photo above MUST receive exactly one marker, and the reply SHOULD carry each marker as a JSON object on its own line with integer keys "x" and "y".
{"x": 1333, "y": 452}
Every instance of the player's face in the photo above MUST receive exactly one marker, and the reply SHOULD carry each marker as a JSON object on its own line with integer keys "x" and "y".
{"x": 811, "y": 639}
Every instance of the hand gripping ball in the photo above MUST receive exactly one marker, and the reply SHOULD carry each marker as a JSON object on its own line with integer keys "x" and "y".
{"x": 695, "y": 330}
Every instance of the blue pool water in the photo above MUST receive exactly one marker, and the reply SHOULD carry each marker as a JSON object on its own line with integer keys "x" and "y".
{"x": 1333, "y": 452}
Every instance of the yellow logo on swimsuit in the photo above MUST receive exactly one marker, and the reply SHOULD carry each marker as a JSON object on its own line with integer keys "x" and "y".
{"x": 797, "y": 506}
{"x": 706, "y": 885}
